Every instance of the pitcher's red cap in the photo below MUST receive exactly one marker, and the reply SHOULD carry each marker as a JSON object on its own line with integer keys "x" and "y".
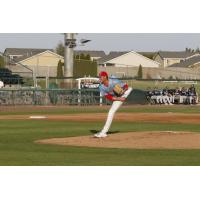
{"x": 103, "y": 74}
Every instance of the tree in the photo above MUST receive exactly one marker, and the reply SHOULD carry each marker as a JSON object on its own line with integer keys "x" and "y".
{"x": 60, "y": 69}
{"x": 77, "y": 57}
{"x": 188, "y": 49}
{"x": 87, "y": 57}
{"x": 197, "y": 50}
{"x": 192, "y": 50}
{"x": 140, "y": 73}
{"x": 82, "y": 57}
{"x": 60, "y": 49}
{"x": 2, "y": 62}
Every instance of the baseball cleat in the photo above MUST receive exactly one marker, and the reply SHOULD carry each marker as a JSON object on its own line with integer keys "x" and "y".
{"x": 100, "y": 135}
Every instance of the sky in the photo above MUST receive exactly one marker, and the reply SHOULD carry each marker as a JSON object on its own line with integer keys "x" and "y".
{"x": 105, "y": 41}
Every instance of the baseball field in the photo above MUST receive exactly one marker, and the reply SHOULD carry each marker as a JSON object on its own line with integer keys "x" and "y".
{"x": 62, "y": 136}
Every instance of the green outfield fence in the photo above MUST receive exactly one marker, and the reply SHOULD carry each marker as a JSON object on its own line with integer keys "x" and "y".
{"x": 49, "y": 97}
{"x": 62, "y": 97}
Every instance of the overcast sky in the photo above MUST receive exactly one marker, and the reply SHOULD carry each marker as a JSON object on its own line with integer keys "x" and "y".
{"x": 105, "y": 41}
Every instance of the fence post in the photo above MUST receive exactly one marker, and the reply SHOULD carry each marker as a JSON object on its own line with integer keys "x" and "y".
{"x": 33, "y": 97}
{"x": 13, "y": 102}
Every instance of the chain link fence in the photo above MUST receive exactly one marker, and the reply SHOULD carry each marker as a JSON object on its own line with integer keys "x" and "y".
{"x": 82, "y": 97}
{"x": 50, "y": 97}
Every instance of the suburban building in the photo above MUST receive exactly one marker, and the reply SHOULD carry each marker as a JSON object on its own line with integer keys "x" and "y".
{"x": 126, "y": 63}
{"x": 127, "y": 59}
{"x": 167, "y": 58}
{"x": 41, "y": 62}
{"x": 192, "y": 62}
{"x": 19, "y": 54}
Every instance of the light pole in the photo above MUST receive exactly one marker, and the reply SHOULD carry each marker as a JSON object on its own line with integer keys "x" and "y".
{"x": 70, "y": 44}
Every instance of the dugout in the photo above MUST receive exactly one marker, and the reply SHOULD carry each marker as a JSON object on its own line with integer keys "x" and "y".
{"x": 137, "y": 96}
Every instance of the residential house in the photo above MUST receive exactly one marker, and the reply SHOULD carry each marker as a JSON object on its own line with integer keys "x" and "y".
{"x": 167, "y": 58}
{"x": 126, "y": 63}
{"x": 18, "y": 54}
{"x": 127, "y": 59}
{"x": 37, "y": 62}
{"x": 192, "y": 62}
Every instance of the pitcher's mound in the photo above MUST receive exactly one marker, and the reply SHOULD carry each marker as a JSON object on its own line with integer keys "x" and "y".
{"x": 134, "y": 140}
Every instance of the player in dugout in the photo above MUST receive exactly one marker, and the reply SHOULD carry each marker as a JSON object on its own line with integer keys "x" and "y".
{"x": 116, "y": 91}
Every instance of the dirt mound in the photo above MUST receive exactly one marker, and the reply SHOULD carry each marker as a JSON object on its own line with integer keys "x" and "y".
{"x": 134, "y": 140}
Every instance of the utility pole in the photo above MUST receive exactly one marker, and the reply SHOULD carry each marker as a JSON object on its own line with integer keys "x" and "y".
{"x": 70, "y": 43}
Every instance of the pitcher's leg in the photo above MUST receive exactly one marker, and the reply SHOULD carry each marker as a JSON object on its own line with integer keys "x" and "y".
{"x": 115, "y": 106}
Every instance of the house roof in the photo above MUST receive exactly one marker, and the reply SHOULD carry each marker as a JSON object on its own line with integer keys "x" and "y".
{"x": 148, "y": 54}
{"x": 111, "y": 55}
{"x": 47, "y": 51}
{"x": 175, "y": 54}
{"x": 24, "y": 52}
{"x": 188, "y": 62}
{"x": 91, "y": 53}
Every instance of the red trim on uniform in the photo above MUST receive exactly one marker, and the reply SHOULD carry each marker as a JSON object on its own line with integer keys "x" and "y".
{"x": 109, "y": 97}
{"x": 125, "y": 87}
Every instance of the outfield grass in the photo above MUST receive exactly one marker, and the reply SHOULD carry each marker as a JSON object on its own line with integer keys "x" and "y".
{"x": 17, "y": 146}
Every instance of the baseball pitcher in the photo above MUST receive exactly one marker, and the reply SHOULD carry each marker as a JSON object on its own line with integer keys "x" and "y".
{"x": 115, "y": 91}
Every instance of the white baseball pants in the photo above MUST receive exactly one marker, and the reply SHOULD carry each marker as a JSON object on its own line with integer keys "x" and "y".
{"x": 115, "y": 106}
